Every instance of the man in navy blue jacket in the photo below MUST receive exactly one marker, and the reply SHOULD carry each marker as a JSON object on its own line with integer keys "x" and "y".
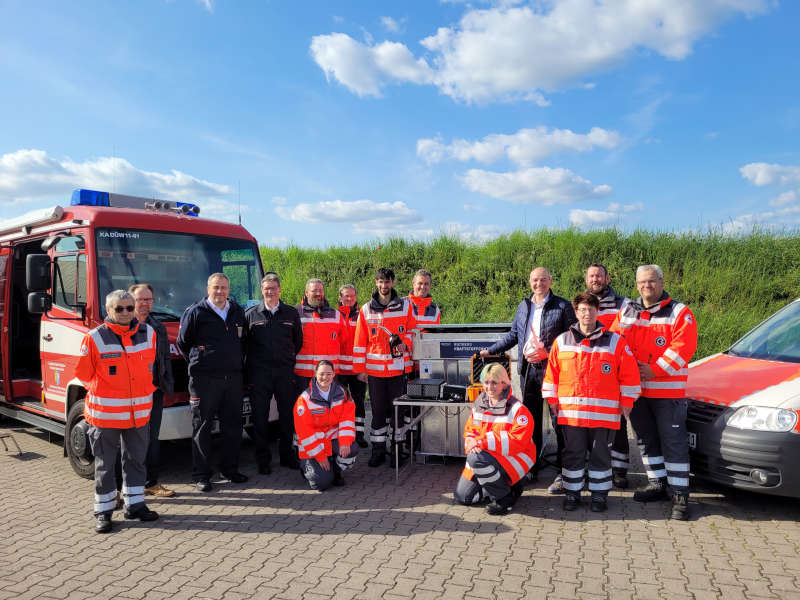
{"x": 210, "y": 339}
{"x": 539, "y": 320}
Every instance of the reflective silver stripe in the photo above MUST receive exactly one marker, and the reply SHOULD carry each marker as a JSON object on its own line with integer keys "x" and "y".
{"x": 490, "y": 441}
{"x": 106, "y": 497}
{"x": 572, "y": 474}
{"x": 317, "y": 357}
{"x": 526, "y": 459}
{"x": 666, "y": 366}
{"x": 105, "y": 506}
{"x": 663, "y": 385}
{"x": 591, "y": 416}
{"x": 315, "y": 450}
{"x": 599, "y": 486}
{"x": 483, "y": 470}
{"x": 631, "y": 391}
{"x": 346, "y": 424}
{"x": 599, "y": 474}
{"x": 670, "y": 353}
{"x": 102, "y": 401}
{"x": 678, "y": 481}
{"x": 321, "y": 320}
{"x": 131, "y": 500}
{"x": 656, "y": 473}
{"x": 652, "y": 460}
{"x": 573, "y": 487}
{"x": 619, "y": 464}
{"x": 358, "y": 360}
{"x": 677, "y": 466}
{"x": 113, "y": 416}
{"x": 310, "y": 439}
{"x": 580, "y": 349}
{"x": 359, "y": 349}
{"x": 373, "y": 356}
{"x": 620, "y": 455}
{"x": 504, "y": 442}
{"x": 588, "y": 401}
{"x": 548, "y": 386}
{"x": 516, "y": 466}
{"x": 485, "y": 480}
{"x": 130, "y": 491}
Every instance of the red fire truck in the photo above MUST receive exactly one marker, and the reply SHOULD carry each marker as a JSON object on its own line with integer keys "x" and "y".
{"x": 56, "y": 267}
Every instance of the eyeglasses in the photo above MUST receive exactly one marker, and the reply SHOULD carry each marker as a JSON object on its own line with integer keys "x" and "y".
{"x": 128, "y": 307}
{"x": 144, "y": 299}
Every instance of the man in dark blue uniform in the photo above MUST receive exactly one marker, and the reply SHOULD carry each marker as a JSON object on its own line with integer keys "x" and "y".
{"x": 210, "y": 339}
{"x": 273, "y": 337}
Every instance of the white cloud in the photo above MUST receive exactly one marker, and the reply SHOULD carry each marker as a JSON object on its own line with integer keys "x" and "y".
{"x": 392, "y": 25}
{"x": 364, "y": 68}
{"x": 761, "y": 174}
{"x": 279, "y": 200}
{"x": 27, "y": 175}
{"x": 525, "y": 147}
{"x": 511, "y": 52}
{"x": 785, "y": 198}
{"x": 536, "y": 185}
{"x": 476, "y": 233}
{"x": 365, "y": 216}
{"x": 613, "y": 215}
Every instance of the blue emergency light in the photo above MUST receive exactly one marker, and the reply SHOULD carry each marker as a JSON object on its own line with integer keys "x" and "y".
{"x": 95, "y": 198}
{"x": 89, "y": 198}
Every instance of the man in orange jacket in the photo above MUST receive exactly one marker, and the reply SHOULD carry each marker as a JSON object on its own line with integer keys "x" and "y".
{"x": 383, "y": 334}
{"x": 591, "y": 380}
{"x": 663, "y": 336}
{"x": 116, "y": 368}
{"x": 348, "y": 306}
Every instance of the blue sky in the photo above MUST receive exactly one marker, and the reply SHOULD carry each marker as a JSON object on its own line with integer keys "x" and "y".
{"x": 341, "y": 122}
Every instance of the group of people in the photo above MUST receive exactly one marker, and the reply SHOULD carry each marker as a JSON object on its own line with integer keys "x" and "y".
{"x": 597, "y": 361}
{"x": 317, "y": 361}
{"x": 617, "y": 358}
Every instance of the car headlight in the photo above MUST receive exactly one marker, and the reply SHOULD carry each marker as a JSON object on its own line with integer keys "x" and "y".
{"x": 762, "y": 418}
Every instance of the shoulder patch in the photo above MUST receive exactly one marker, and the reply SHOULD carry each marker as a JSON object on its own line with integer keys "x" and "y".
{"x": 522, "y": 420}
{"x": 84, "y": 350}
{"x": 688, "y": 318}
{"x": 300, "y": 410}
{"x": 628, "y": 350}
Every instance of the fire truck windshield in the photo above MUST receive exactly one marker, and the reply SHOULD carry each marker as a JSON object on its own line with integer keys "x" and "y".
{"x": 176, "y": 265}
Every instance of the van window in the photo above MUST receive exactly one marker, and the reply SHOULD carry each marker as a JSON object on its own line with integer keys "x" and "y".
{"x": 69, "y": 272}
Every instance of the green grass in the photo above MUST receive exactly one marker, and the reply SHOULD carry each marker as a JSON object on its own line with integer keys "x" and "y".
{"x": 730, "y": 283}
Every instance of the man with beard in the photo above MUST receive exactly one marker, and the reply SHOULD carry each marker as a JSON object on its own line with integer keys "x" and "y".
{"x": 348, "y": 306}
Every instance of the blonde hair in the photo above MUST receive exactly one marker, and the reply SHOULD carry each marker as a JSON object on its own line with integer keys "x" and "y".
{"x": 495, "y": 371}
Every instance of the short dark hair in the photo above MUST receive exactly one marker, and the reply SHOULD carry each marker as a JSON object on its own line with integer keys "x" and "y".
{"x": 323, "y": 363}
{"x": 585, "y": 298}
{"x": 271, "y": 276}
{"x": 599, "y": 266}
{"x": 384, "y": 273}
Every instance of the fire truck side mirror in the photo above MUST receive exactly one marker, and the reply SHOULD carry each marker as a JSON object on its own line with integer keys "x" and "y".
{"x": 39, "y": 303}
{"x": 37, "y": 272}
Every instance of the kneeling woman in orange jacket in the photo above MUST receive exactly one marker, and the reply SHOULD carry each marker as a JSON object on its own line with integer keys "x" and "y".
{"x": 324, "y": 419}
{"x": 497, "y": 441}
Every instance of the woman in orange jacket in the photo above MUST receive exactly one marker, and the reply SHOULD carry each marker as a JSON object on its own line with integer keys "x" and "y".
{"x": 497, "y": 441}
{"x": 324, "y": 419}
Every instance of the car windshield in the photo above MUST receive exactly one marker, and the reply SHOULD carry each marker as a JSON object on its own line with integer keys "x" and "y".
{"x": 176, "y": 265}
{"x": 777, "y": 338}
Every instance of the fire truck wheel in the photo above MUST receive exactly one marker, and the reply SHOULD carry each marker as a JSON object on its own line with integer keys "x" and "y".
{"x": 78, "y": 449}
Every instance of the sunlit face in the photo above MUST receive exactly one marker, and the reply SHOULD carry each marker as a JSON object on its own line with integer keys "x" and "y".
{"x": 384, "y": 286}
{"x": 271, "y": 292}
{"x": 650, "y": 286}
{"x": 494, "y": 387}
{"x": 143, "y": 299}
{"x": 315, "y": 294}
{"x": 596, "y": 279}
{"x": 121, "y": 311}
{"x": 218, "y": 290}
{"x": 348, "y": 297}
{"x": 540, "y": 281}
{"x": 421, "y": 286}
{"x": 587, "y": 315}
{"x": 324, "y": 375}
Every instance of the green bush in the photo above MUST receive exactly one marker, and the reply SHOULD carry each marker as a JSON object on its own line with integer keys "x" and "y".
{"x": 730, "y": 283}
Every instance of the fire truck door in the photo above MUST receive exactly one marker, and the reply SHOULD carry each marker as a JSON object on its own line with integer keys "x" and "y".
{"x": 5, "y": 293}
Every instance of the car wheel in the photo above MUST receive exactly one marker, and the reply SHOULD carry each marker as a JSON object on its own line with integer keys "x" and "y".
{"x": 79, "y": 450}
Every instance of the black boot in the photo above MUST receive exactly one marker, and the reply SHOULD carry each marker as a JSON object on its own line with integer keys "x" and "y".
{"x": 360, "y": 440}
{"x": 656, "y": 490}
{"x": 377, "y": 457}
{"x": 599, "y": 503}
{"x": 572, "y": 502}
{"x": 620, "y": 479}
{"x": 103, "y": 523}
{"x": 680, "y": 507}
{"x": 503, "y": 505}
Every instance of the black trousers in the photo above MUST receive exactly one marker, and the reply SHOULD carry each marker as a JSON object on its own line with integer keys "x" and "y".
{"x": 620, "y": 449}
{"x": 266, "y": 382}
{"x": 153, "y": 460}
{"x": 382, "y": 391}
{"x": 212, "y": 396}
{"x": 300, "y": 384}
{"x": 597, "y": 442}
{"x": 532, "y": 399}
{"x": 358, "y": 391}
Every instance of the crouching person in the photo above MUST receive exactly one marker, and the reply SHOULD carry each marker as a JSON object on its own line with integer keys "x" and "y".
{"x": 497, "y": 441}
{"x": 324, "y": 418}
{"x": 591, "y": 379}
{"x": 116, "y": 368}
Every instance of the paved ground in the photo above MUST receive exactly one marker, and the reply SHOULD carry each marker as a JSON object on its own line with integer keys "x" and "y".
{"x": 274, "y": 538}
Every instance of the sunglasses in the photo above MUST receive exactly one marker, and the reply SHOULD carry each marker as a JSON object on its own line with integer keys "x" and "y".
{"x": 119, "y": 309}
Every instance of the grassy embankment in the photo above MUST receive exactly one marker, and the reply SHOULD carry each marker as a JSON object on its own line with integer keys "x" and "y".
{"x": 730, "y": 283}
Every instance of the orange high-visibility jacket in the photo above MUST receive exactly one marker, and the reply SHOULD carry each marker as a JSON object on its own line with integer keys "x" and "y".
{"x": 663, "y": 336}
{"x": 426, "y": 312}
{"x": 350, "y": 316}
{"x": 116, "y": 368}
{"x": 371, "y": 351}
{"x": 504, "y": 431}
{"x": 589, "y": 378}
{"x": 323, "y": 333}
{"x": 318, "y": 421}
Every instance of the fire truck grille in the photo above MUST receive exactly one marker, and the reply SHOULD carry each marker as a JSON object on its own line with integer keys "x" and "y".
{"x": 703, "y": 412}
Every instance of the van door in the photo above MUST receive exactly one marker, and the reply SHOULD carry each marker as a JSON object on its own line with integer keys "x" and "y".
{"x": 5, "y": 267}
